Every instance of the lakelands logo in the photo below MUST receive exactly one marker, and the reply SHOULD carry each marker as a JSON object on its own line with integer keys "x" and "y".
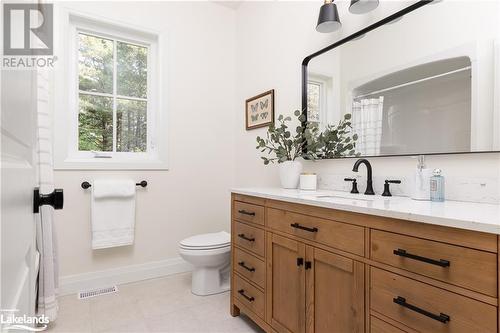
{"x": 9, "y": 321}
{"x": 28, "y": 35}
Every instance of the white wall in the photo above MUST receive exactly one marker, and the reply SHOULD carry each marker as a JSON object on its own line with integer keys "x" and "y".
{"x": 193, "y": 195}
{"x": 273, "y": 38}
{"x": 217, "y": 58}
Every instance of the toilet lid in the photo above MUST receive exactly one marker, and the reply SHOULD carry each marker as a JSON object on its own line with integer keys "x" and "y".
{"x": 207, "y": 241}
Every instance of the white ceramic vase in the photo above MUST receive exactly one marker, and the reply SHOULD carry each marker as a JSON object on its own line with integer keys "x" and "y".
{"x": 290, "y": 174}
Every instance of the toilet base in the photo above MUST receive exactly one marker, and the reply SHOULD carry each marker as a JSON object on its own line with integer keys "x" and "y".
{"x": 209, "y": 281}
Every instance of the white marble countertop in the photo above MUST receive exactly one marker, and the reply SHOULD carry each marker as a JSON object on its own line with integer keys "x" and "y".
{"x": 464, "y": 215}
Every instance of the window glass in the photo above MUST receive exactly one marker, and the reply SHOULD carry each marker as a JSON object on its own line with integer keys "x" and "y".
{"x": 132, "y": 70}
{"x": 313, "y": 101}
{"x": 112, "y": 105}
{"x": 95, "y": 123}
{"x": 131, "y": 125}
{"x": 95, "y": 64}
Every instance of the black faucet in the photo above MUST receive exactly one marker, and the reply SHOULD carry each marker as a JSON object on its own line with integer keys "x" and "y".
{"x": 369, "y": 185}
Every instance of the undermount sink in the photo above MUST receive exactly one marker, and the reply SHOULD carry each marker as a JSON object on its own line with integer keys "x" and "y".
{"x": 333, "y": 196}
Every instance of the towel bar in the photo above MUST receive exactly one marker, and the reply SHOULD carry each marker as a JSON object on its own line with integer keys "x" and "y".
{"x": 86, "y": 185}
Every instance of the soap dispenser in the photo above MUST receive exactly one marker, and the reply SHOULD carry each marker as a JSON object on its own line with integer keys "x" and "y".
{"x": 421, "y": 190}
{"x": 437, "y": 186}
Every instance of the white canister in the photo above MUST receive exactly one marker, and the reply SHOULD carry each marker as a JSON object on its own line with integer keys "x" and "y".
{"x": 308, "y": 181}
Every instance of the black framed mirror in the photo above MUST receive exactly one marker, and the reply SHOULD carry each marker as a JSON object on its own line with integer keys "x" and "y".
{"x": 423, "y": 81}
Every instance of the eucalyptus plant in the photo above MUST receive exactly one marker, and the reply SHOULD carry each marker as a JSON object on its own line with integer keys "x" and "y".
{"x": 281, "y": 143}
{"x": 307, "y": 141}
{"x": 338, "y": 140}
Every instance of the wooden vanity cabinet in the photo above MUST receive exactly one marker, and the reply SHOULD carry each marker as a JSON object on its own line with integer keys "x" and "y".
{"x": 312, "y": 290}
{"x": 318, "y": 270}
{"x": 335, "y": 293}
{"x": 285, "y": 284}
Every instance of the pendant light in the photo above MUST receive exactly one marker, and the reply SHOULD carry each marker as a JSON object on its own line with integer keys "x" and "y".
{"x": 328, "y": 20}
{"x": 362, "y": 6}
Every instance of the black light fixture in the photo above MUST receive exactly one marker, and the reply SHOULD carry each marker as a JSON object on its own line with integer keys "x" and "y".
{"x": 328, "y": 20}
{"x": 362, "y": 6}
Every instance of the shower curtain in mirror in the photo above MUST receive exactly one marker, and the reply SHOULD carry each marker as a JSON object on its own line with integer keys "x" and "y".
{"x": 367, "y": 124}
{"x": 46, "y": 242}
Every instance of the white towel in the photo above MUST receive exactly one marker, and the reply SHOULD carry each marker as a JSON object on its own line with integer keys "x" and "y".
{"x": 46, "y": 242}
{"x": 113, "y": 213}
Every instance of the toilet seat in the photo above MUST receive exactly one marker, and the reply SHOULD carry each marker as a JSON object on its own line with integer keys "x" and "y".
{"x": 205, "y": 248}
{"x": 205, "y": 252}
{"x": 210, "y": 241}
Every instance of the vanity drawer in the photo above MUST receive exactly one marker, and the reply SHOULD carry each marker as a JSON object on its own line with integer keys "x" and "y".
{"x": 426, "y": 308}
{"x": 471, "y": 269}
{"x": 248, "y": 212}
{"x": 250, "y": 267}
{"x": 250, "y": 238}
{"x": 338, "y": 235}
{"x": 380, "y": 326}
{"x": 250, "y": 296}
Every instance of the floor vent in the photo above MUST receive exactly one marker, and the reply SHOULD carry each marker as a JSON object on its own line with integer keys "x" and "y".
{"x": 97, "y": 292}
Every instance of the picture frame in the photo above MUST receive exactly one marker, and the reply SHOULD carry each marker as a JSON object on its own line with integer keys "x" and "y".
{"x": 259, "y": 110}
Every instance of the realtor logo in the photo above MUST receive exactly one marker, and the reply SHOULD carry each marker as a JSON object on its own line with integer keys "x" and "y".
{"x": 28, "y": 29}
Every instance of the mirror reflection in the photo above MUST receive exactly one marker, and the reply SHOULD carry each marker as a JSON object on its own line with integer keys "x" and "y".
{"x": 416, "y": 86}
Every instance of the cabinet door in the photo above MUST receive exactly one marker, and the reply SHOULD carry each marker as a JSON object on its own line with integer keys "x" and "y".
{"x": 334, "y": 293}
{"x": 286, "y": 284}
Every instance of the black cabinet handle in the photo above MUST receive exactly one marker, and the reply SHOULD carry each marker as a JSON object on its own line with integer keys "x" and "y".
{"x": 308, "y": 265}
{"x": 440, "y": 262}
{"x": 242, "y": 264}
{"x": 441, "y": 317}
{"x": 246, "y": 238}
{"x": 54, "y": 199}
{"x": 298, "y": 226}
{"x": 300, "y": 262}
{"x": 242, "y": 293}
{"x": 242, "y": 211}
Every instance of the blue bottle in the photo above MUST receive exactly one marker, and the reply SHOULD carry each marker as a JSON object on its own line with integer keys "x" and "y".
{"x": 437, "y": 186}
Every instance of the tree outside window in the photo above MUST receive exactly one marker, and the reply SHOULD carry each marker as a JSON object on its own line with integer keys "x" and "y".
{"x": 113, "y": 99}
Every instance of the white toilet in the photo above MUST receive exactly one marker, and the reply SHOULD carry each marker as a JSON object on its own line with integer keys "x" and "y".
{"x": 210, "y": 256}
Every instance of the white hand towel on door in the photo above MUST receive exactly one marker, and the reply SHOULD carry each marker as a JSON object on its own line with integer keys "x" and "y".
{"x": 113, "y": 213}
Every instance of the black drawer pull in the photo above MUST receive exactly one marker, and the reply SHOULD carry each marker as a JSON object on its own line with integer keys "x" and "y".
{"x": 246, "y": 238}
{"x": 242, "y": 293}
{"x": 244, "y": 212}
{"x": 242, "y": 264}
{"x": 440, "y": 262}
{"x": 298, "y": 226}
{"x": 441, "y": 317}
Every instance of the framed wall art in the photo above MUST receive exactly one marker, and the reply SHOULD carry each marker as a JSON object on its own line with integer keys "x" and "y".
{"x": 260, "y": 110}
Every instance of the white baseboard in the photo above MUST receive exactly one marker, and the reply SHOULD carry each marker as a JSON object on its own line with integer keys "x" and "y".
{"x": 71, "y": 284}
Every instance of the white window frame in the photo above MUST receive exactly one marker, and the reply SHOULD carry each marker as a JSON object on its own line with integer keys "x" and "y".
{"x": 66, "y": 153}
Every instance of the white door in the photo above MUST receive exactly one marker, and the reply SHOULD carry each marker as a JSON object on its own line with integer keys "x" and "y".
{"x": 18, "y": 179}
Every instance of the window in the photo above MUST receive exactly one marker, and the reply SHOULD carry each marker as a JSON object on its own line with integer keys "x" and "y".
{"x": 115, "y": 115}
{"x": 112, "y": 96}
{"x": 314, "y": 96}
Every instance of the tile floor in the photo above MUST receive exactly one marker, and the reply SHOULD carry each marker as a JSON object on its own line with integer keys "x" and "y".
{"x": 158, "y": 305}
